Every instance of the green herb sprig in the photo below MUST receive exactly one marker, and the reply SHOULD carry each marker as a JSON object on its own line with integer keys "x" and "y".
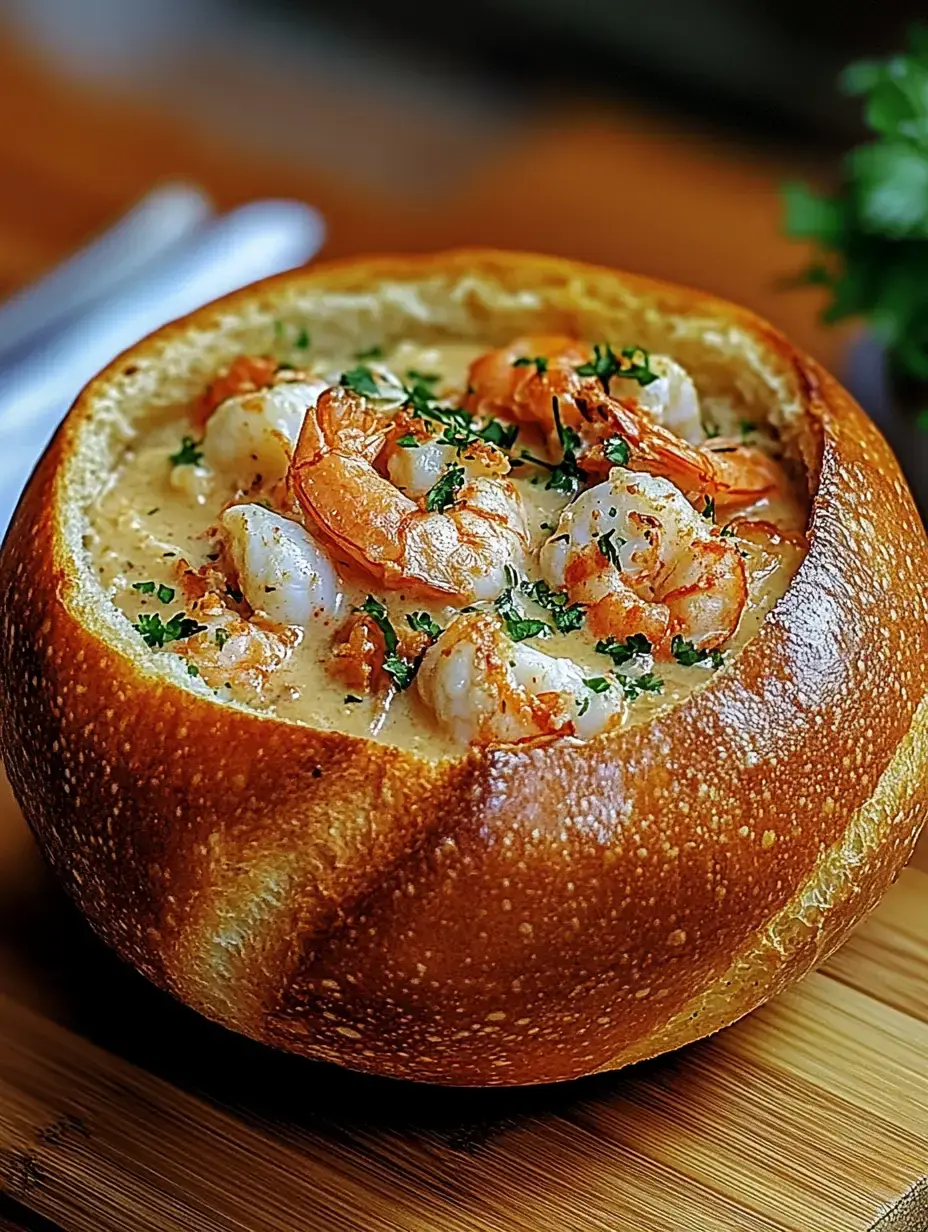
{"x": 872, "y": 232}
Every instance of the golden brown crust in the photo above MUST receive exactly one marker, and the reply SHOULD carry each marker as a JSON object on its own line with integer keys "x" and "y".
{"x": 521, "y": 914}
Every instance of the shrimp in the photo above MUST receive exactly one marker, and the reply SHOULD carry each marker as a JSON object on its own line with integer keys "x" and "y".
{"x": 416, "y": 468}
{"x": 662, "y": 429}
{"x": 229, "y": 650}
{"x": 250, "y": 438}
{"x": 459, "y": 551}
{"x": 244, "y": 375}
{"x": 484, "y": 688}
{"x": 281, "y": 570}
{"x": 639, "y": 555}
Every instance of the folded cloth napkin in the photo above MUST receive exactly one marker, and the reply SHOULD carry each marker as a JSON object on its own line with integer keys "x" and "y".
{"x": 217, "y": 255}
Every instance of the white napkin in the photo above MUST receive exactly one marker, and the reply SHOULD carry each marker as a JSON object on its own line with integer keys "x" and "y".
{"x": 217, "y": 256}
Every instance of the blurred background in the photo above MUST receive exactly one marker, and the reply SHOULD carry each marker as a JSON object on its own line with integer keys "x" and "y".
{"x": 650, "y": 136}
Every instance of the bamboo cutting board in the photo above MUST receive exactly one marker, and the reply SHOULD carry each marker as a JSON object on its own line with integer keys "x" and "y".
{"x": 120, "y": 1110}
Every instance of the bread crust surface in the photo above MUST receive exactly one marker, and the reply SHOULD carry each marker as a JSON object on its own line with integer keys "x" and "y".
{"x": 518, "y": 914}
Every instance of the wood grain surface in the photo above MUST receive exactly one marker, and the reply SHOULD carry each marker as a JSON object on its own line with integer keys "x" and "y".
{"x": 120, "y": 1110}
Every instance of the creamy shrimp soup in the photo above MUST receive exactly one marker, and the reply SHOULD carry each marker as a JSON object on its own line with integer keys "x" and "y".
{"x": 442, "y": 545}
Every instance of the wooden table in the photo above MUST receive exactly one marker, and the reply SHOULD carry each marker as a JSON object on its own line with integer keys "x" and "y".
{"x": 121, "y": 1110}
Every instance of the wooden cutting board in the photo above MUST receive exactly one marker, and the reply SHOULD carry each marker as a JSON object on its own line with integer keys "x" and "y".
{"x": 120, "y": 1110}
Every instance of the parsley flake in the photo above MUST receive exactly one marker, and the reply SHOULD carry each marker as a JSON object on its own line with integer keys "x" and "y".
{"x": 360, "y": 380}
{"x": 374, "y": 352}
{"x": 375, "y": 609}
{"x": 494, "y": 432}
{"x": 688, "y": 655}
{"x": 567, "y": 617}
{"x": 144, "y": 588}
{"x": 622, "y": 652}
{"x": 616, "y": 450}
{"x": 518, "y": 626}
{"x": 634, "y": 686}
{"x": 598, "y": 684}
{"x": 631, "y": 363}
{"x": 407, "y": 441}
{"x": 166, "y": 593}
{"x": 422, "y": 622}
{"x": 444, "y": 492}
{"x": 157, "y": 634}
{"x": 400, "y": 671}
{"x": 526, "y": 361}
{"x": 189, "y": 453}
{"x": 708, "y": 509}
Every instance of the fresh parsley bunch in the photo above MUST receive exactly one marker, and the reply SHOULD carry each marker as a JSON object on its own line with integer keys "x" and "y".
{"x": 874, "y": 230}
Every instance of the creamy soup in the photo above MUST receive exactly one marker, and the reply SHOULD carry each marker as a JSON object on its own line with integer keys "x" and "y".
{"x": 287, "y": 587}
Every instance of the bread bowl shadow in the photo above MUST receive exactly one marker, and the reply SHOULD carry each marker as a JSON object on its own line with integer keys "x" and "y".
{"x": 519, "y": 914}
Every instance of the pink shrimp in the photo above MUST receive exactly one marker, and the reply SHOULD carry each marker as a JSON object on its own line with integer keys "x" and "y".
{"x": 529, "y": 378}
{"x": 458, "y": 546}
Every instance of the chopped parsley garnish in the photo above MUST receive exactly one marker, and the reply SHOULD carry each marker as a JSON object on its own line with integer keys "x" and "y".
{"x": 583, "y": 707}
{"x": 360, "y": 380}
{"x": 495, "y": 432}
{"x": 526, "y": 361}
{"x": 443, "y": 493}
{"x": 622, "y": 652}
{"x": 518, "y": 626}
{"x": 728, "y": 531}
{"x": 566, "y": 475}
{"x": 747, "y": 428}
{"x": 400, "y": 670}
{"x": 609, "y": 545}
{"x": 632, "y": 363}
{"x": 616, "y": 450}
{"x": 708, "y": 509}
{"x": 165, "y": 593}
{"x": 458, "y": 424}
{"x": 374, "y": 352}
{"x": 222, "y": 636}
{"x": 156, "y": 634}
{"x": 375, "y": 609}
{"x": 422, "y": 622}
{"x": 598, "y": 684}
{"x": 189, "y": 453}
{"x": 689, "y": 655}
{"x": 407, "y": 441}
{"x": 634, "y": 686}
{"x": 566, "y": 616}
{"x": 299, "y": 342}
{"x": 192, "y": 669}
{"x": 426, "y": 378}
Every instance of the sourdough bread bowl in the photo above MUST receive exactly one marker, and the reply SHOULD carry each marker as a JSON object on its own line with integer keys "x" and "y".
{"x": 515, "y": 913}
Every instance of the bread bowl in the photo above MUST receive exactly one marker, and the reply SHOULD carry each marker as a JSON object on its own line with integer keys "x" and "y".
{"x": 485, "y": 912}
